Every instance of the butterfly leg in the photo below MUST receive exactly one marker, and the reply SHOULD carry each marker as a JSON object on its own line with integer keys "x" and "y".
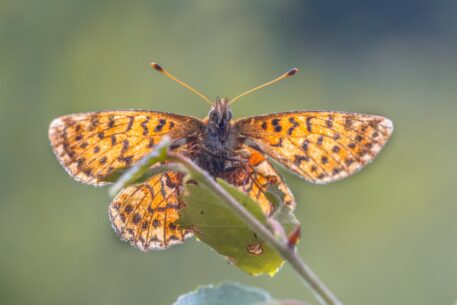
{"x": 230, "y": 168}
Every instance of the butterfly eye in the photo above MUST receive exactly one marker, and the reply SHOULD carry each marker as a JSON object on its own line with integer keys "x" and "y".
{"x": 212, "y": 115}
{"x": 229, "y": 115}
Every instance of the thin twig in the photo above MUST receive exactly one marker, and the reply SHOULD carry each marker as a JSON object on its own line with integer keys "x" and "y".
{"x": 322, "y": 293}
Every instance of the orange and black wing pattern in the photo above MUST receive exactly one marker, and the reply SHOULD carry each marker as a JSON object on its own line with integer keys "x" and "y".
{"x": 319, "y": 146}
{"x": 144, "y": 214}
{"x": 256, "y": 177}
{"x": 90, "y": 146}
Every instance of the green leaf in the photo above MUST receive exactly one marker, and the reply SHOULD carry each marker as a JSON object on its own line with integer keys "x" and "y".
{"x": 216, "y": 225}
{"x": 225, "y": 294}
{"x": 231, "y": 294}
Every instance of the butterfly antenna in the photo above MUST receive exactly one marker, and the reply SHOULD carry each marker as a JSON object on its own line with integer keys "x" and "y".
{"x": 166, "y": 73}
{"x": 285, "y": 75}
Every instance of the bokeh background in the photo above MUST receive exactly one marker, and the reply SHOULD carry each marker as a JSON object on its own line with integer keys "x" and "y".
{"x": 387, "y": 235}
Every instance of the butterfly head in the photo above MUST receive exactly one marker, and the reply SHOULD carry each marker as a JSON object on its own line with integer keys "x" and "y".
{"x": 220, "y": 113}
{"x": 219, "y": 118}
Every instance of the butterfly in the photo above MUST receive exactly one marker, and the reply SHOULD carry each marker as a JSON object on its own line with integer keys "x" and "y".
{"x": 318, "y": 146}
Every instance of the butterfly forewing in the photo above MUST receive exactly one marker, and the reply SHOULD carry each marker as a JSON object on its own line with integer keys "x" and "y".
{"x": 90, "y": 146}
{"x": 319, "y": 146}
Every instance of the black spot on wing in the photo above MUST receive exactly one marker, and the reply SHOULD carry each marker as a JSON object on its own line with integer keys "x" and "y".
{"x": 130, "y": 124}
{"x": 160, "y": 125}
{"x": 144, "y": 125}
{"x": 294, "y": 123}
{"x": 308, "y": 124}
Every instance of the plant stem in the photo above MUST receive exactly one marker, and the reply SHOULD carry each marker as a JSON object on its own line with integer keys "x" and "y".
{"x": 321, "y": 292}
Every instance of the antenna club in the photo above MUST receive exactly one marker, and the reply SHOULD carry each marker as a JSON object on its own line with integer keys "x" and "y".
{"x": 292, "y": 71}
{"x": 283, "y": 76}
{"x": 169, "y": 75}
{"x": 156, "y": 66}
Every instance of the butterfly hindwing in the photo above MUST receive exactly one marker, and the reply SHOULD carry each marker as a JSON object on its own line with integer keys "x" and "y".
{"x": 144, "y": 214}
{"x": 90, "y": 146}
{"x": 255, "y": 179}
{"x": 319, "y": 146}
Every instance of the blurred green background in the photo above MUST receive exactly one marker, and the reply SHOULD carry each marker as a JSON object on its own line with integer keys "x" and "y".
{"x": 387, "y": 235}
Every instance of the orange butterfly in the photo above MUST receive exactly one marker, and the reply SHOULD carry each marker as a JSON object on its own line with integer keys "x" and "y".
{"x": 319, "y": 146}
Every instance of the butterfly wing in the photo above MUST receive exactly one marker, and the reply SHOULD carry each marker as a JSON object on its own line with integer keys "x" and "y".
{"x": 256, "y": 177}
{"x": 144, "y": 214}
{"x": 90, "y": 146}
{"x": 319, "y": 146}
